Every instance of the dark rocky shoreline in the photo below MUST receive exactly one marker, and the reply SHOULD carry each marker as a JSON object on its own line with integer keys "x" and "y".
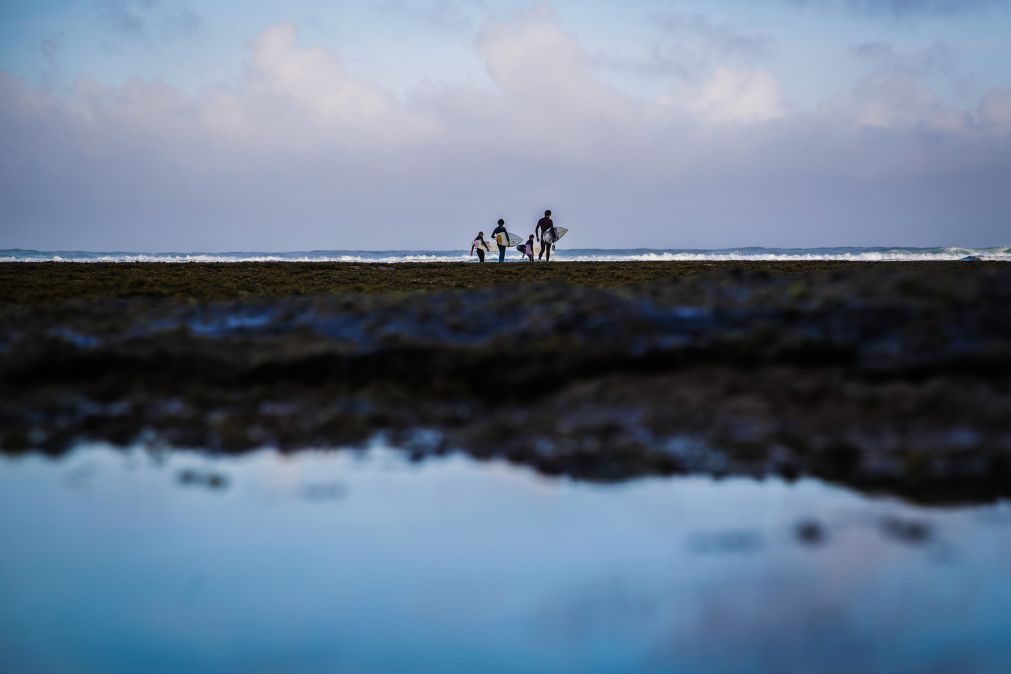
{"x": 892, "y": 377}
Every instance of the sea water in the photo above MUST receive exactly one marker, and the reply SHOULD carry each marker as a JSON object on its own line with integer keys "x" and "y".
{"x": 361, "y": 561}
{"x": 1000, "y": 253}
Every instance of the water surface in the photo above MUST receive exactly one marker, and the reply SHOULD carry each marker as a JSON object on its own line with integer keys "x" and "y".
{"x": 341, "y": 561}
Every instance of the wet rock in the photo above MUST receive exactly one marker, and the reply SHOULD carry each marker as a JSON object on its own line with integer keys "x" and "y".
{"x": 885, "y": 377}
{"x": 810, "y": 532}
{"x": 192, "y": 477}
{"x": 914, "y": 532}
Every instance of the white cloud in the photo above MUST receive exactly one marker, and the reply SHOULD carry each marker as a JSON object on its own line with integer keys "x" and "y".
{"x": 995, "y": 110}
{"x": 314, "y": 84}
{"x": 898, "y": 100}
{"x": 732, "y": 96}
{"x": 549, "y": 82}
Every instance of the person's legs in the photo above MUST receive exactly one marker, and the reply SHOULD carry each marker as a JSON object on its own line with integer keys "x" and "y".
{"x": 480, "y": 255}
{"x": 540, "y": 253}
{"x": 547, "y": 252}
{"x": 501, "y": 252}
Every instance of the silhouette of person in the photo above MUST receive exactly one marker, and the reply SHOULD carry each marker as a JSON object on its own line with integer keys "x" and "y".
{"x": 545, "y": 232}
{"x": 480, "y": 245}
{"x": 528, "y": 248}
{"x": 499, "y": 239}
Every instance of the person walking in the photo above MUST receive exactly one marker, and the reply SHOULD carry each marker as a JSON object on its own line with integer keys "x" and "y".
{"x": 480, "y": 245}
{"x": 501, "y": 236}
{"x": 528, "y": 248}
{"x": 545, "y": 232}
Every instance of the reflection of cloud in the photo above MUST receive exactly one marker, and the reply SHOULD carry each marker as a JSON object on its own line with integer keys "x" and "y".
{"x": 606, "y": 606}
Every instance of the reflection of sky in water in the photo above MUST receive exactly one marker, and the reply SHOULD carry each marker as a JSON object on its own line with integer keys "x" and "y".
{"x": 333, "y": 562}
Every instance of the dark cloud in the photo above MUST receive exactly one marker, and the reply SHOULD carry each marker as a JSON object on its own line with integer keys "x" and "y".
{"x": 51, "y": 48}
{"x": 904, "y": 8}
{"x": 147, "y": 19}
{"x": 445, "y": 14}
{"x": 691, "y": 44}
{"x": 124, "y": 16}
{"x": 668, "y": 61}
{"x": 936, "y": 57}
{"x": 721, "y": 37}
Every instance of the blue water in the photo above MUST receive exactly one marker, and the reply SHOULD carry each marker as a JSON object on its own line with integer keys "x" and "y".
{"x": 363, "y": 562}
{"x": 1002, "y": 253}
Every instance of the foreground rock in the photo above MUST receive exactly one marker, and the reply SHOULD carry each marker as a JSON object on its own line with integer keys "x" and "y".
{"x": 885, "y": 377}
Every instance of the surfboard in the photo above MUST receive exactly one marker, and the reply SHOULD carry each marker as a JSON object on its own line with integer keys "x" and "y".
{"x": 491, "y": 247}
{"x": 513, "y": 239}
{"x": 559, "y": 233}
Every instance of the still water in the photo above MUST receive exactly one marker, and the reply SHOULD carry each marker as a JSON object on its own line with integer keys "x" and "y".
{"x": 362, "y": 562}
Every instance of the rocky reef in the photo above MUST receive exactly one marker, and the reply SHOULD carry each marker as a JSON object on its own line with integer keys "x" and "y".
{"x": 889, "y": 377}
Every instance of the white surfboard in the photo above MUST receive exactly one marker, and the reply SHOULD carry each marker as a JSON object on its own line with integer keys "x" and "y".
{"x": 491, "y": 247}
{"x": 514, "y": 240}
{"x": 559, "y": 233}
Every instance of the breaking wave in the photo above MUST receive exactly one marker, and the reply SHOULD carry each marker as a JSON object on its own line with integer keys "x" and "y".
{"x": 850, "y": 254}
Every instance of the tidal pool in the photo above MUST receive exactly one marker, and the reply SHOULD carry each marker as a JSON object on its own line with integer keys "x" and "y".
{"x": 344, "y": 561}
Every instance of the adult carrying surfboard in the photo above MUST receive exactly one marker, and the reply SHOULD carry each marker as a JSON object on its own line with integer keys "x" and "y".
{"x": 539, "y": 245}
{"x": 546, "y": 235}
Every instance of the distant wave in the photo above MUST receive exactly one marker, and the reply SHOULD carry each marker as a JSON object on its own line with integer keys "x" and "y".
{"x": 850, "y": 254}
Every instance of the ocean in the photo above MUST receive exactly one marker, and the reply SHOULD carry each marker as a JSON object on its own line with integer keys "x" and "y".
{"x": 851, "y": 254}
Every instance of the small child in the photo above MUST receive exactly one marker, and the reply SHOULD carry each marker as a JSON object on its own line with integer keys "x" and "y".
{"x": 528, "y": 250}
{"x": 480, "y": 245}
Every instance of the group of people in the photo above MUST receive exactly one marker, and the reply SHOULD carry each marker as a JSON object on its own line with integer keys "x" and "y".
{"x": 544, "y": 233}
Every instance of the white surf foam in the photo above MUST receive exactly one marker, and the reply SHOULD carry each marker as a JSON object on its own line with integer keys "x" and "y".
{"x": 562, "y": 255}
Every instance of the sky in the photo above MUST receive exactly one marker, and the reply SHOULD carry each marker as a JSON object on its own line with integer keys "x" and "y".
{"x": 246, "y": 125}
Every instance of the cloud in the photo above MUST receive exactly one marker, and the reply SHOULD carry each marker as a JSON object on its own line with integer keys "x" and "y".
{"x": 453, "y": 15}
{"x": 899, "y": 100}
{"x": 313, "y": 84}
{"x": 51, "y": 48}
{"x": 731, "y": 96}
{"x": 147, "y": 19}
{"x": 936, "y": 57}
{"x": 298, "y": 153}
{"x": 721, "y": 37}
{"x": 995, "y": 110}
{"x": 531, "y": 58}
{"x": 691, "y": 44}
{"x": 662, "y": 61}
{"x": 903, "y": 8}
